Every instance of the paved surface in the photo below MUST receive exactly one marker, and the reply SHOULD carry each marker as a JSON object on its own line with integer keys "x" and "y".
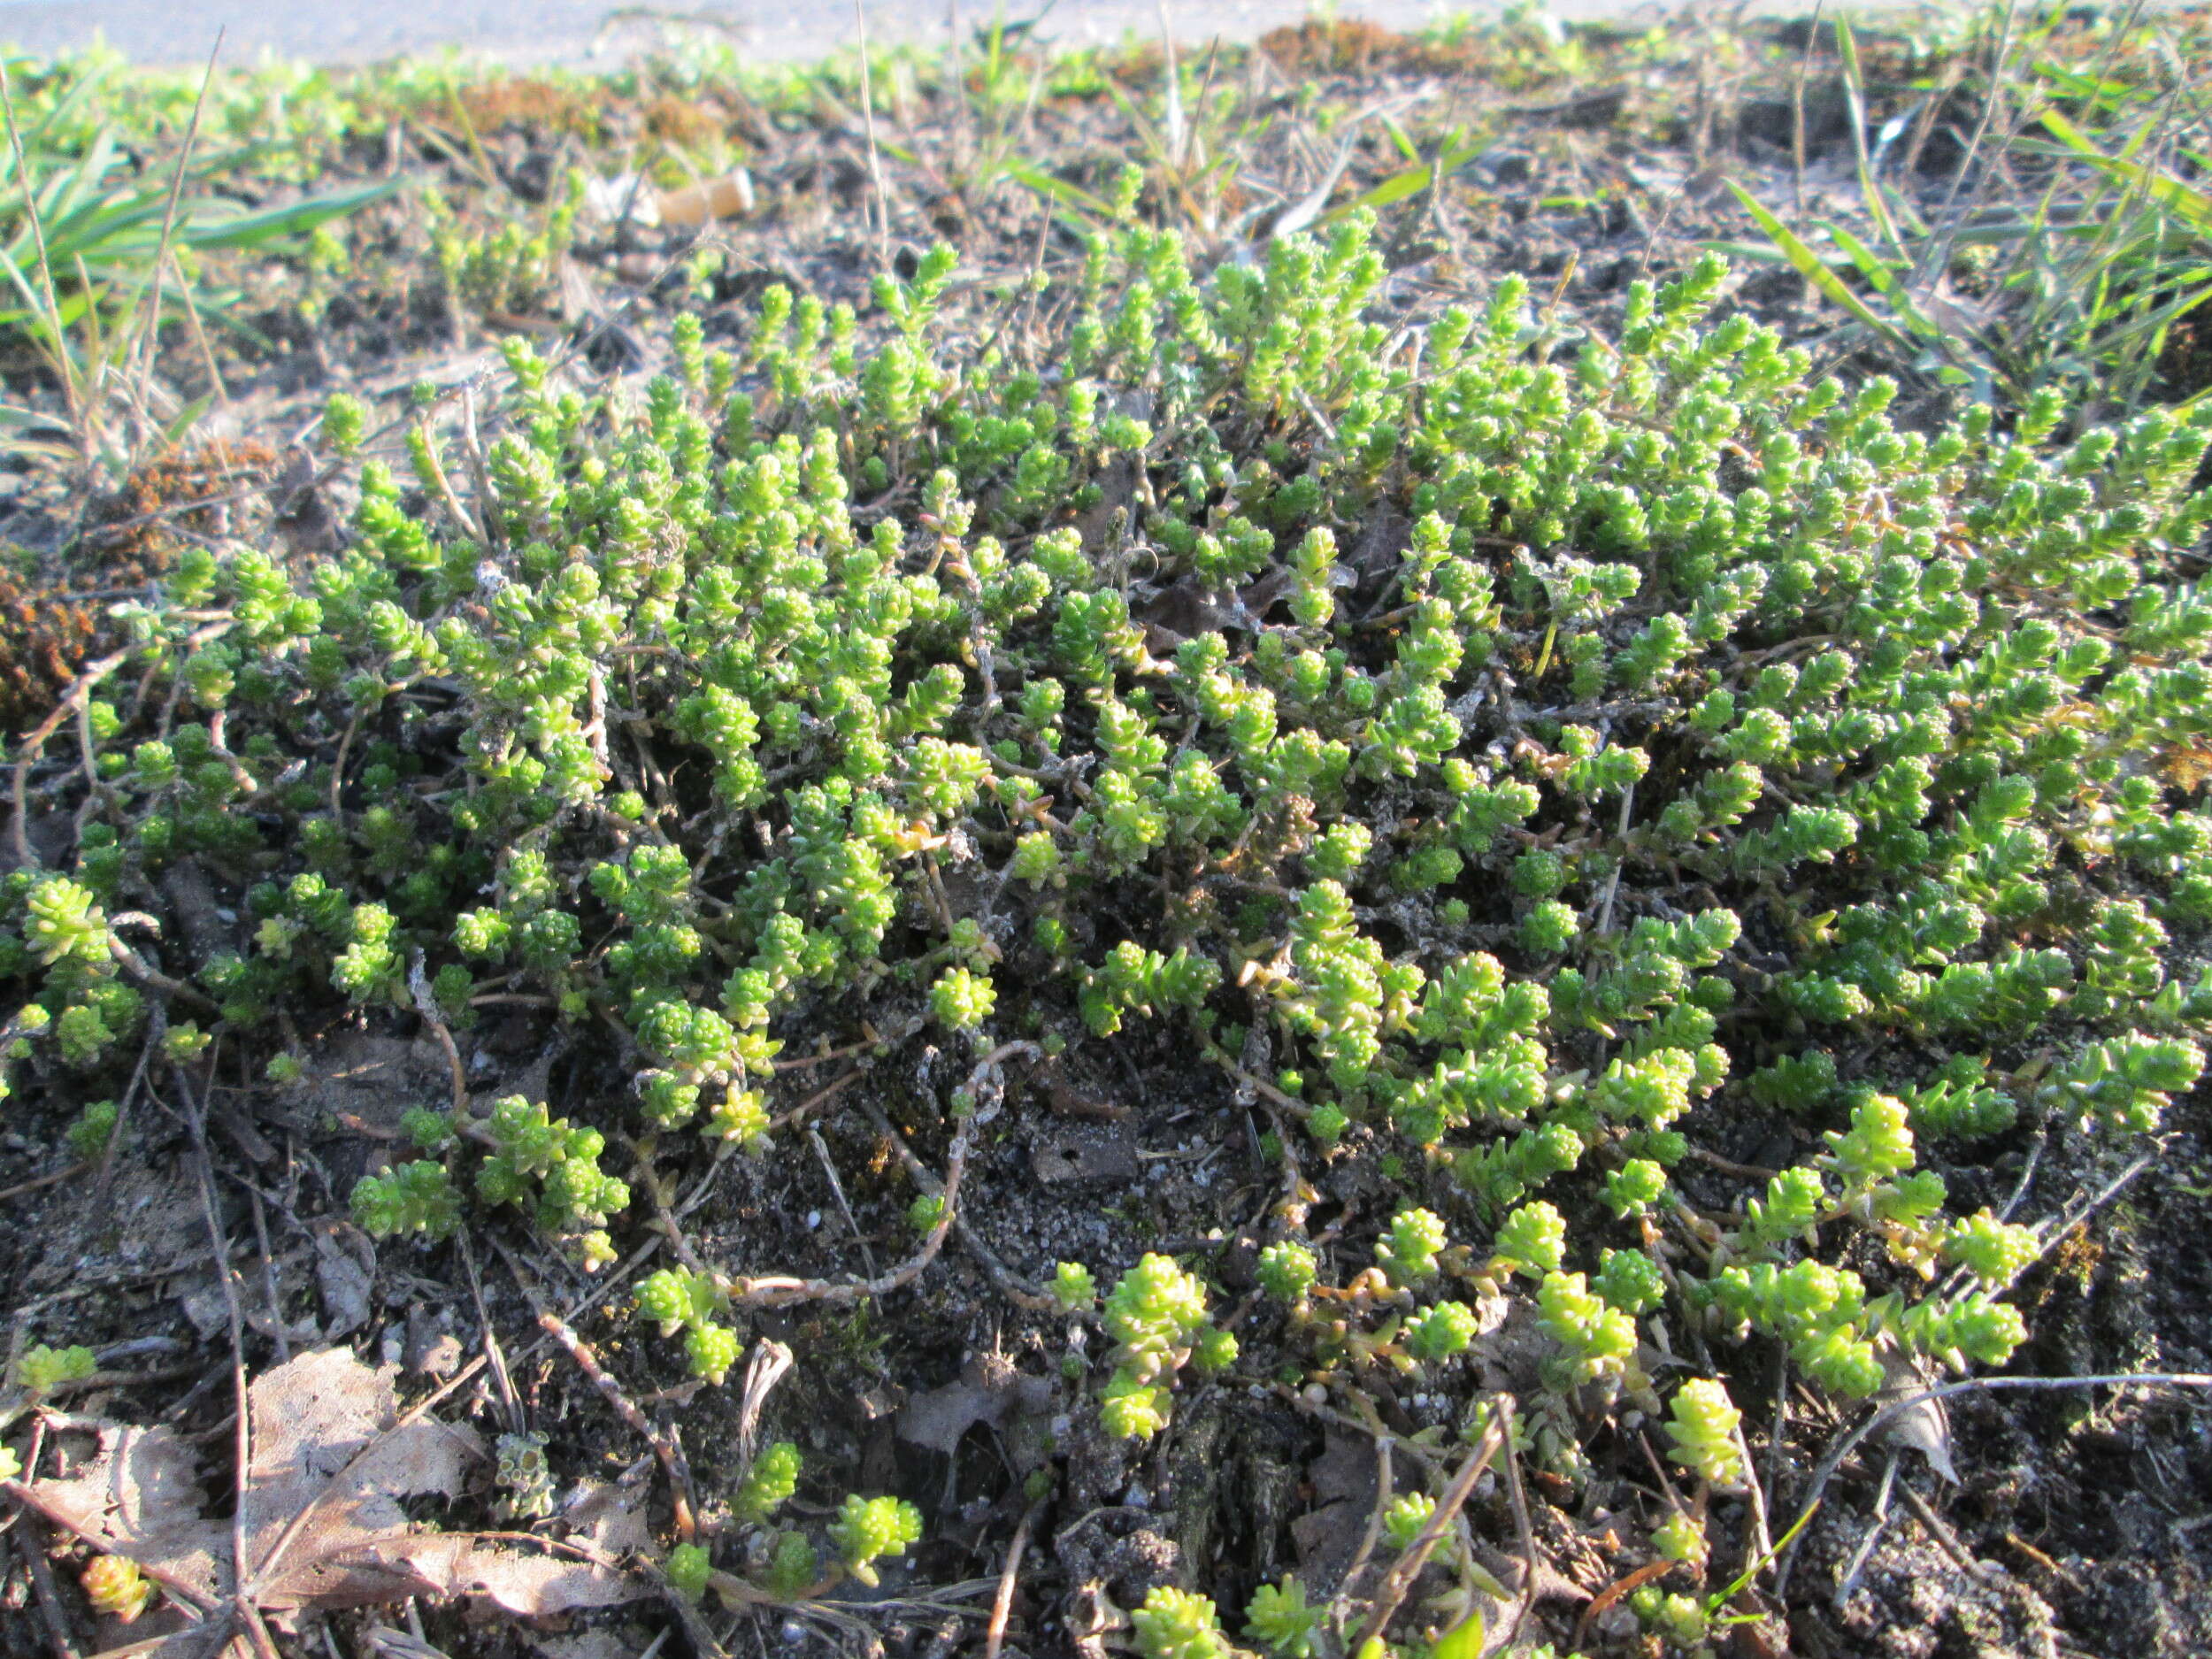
{"x": 577, "y": 31}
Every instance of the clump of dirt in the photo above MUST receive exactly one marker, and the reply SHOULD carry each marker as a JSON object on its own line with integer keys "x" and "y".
{"x": 2185, "y": 364}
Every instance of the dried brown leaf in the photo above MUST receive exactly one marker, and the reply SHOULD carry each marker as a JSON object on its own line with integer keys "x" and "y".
{"x": 989, "y": 1390}
{"x": 610, "y": 1515}
{"x": 324, "y": 1526}
{"x": 140, "y": 1497}
{"x": 524, "y": 1582}
{"x": 345, "y": 1270}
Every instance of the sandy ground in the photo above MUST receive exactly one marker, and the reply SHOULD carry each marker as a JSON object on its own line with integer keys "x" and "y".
{"x": 575, "y": 30}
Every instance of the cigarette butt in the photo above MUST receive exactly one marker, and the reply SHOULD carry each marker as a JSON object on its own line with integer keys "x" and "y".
{"x": 730, "y": 197}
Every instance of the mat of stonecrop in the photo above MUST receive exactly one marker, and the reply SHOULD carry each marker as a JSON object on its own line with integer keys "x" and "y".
{"x": 1053, "y": 902}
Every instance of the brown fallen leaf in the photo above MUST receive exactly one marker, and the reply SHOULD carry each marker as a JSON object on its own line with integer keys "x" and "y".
{"x": 610, "y": 1515}
{"x": 1924, "y": 1426}
{"x": 345, "y": 1271}
{"x": 989, "y": 1390}
{"x": 330, "y": 1460}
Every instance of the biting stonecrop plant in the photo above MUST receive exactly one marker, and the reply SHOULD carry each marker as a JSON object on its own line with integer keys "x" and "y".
{"x": 1548, "y": 760}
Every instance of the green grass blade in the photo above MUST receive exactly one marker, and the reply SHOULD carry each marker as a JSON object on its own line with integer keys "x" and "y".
{"x": 1810, "y": 265}
{"x": 2193, "y": 204}
{"x": 1057, "y": 189}
{"x": 269, "y": 223}
{"x": 1409, "y": 181}
{"x": 1883, "y": 281}
{"x": 1855, "y": 98}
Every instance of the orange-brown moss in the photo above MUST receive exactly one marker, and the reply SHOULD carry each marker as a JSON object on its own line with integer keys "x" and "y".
{"x": 53, "y": 613}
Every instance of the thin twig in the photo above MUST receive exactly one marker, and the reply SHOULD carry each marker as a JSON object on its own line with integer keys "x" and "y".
{"x": 1760, "y": 1544}
{"x": 1891, "y": 1412}
{"x": 38, "y": 1181}
{"x": 149, "y": 341}
{"x": 1408, "y": 1567}
{"x": 64, "y": 371}
{"x": 510, "y": 1402}
{"x": 28, "y": 750}
{"x": 1861, "y": 1555}
{"x": 1797, "y": 112}
{"x": 1945, "y": 1539}
{"x": 1524, "y": 1528}
{"x": 1003, "y": 1603}
{"x": 195, "y": 1118}
{"x": 769, "y": 1363}
{"x": 783, "y": 1291}
{"x": 426, "y": 1006}
{"x": 1613, "y": 886}
{"x": 2074, "y": 1215}
{"x": 441, "y": 489}
{"x": 671, "y": 1455}
{"x": 479, "y": 473}
{"x": 875, "y": 162}
{"x": 1015, "y": 1290}
{"x": 52, "y": 1611}
{"x": 837, "y": 1191}
{"x": 268, "y": 1275}
{"x": 154, "y": 979}
{"x": 1385, "y": 1478}
{"x": 820, "y": 1097}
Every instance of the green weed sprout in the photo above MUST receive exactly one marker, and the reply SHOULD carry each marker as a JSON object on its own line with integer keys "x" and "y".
{"x": 64, "y": 923}
{"x": 866, "y": 1529}
{"x": 1408, "y": 1253}
{"x": 1701, "y": 1426}
{"x": 1157, "y": 1315}
{"x": 678, "y": 1300}
{"x": 415, "y": 1197}
{"x": 1073, "y": 1288}
{"x": 1441, "y": 1332}
{"x": 793, "y": 1566}
{"x": 117, "y": 1588}
{"x": 687, "y": 1567}
{"x": 1280, "y": 1618}
{"x": 1681, "y": 1618}
{"x": 1177, "y": 1624}
{"x": 962, "y": 1000}
{"x": 41, "y": 1369}
{"x": 773, "y": 1478}
{"x": 1404, "y": 1516}
{"x": 1287, "y": 1270}
{"x": 93, "y": 1129}
{"x": 1679, "y": 1538}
